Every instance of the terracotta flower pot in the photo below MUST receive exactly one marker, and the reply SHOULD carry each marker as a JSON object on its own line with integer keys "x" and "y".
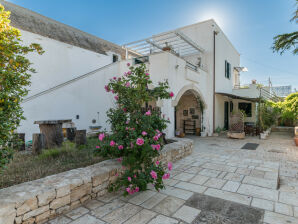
{"x": 296, "y": 141}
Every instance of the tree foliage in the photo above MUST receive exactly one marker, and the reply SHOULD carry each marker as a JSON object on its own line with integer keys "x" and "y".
{"x": 284, "y": 42}
{"x": 15, "y": 70}
{"x": 288, "y": 109}
{"x": 136, "y": 138}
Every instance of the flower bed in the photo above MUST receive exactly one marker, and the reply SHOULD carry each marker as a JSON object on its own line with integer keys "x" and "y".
{"x": 40, "y": 200}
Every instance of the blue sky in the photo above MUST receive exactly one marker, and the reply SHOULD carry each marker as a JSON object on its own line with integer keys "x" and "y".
{"x": 249, "y": 24}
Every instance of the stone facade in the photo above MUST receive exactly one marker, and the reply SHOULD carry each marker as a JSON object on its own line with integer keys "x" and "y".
{"x": 40, "y": 200}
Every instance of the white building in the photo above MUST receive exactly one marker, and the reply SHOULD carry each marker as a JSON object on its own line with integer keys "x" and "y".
{"x": 198, "y": 60}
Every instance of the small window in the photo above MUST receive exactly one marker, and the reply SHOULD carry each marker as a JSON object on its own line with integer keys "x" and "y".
{"x": 227, "y": 69}
{"x": 115, "y": 58}
{"x": 246, "y": 107}
{"x": 231, "y": 106}
{"x": 141, "y": 60}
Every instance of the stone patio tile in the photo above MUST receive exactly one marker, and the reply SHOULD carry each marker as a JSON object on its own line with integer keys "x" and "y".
{"x": 187, "y": 214}
{"x": 219, "y": 167}
{"x": 151, "y": 202}
{"x": 177, "y": 192}
{"x": 230, "y": 196}
{"x": 191, "y": 187}
{"x": 107, "y": 208}
{"x": 265, "y": 169}
{"x": 193, "y": 170}
{"x": 60, "y": 220}
{"x": 234, "y": 177}
{"x": 142, "y": 217}
{"x": 76, "y": 213}
{"x": 121, "y": 214}
{"x": 257, "y": 173}
{"x": 272, "y": 184}
{"x": 275, "y": 218}
{"x": 263, "y": 204}
{"x": 259, "y": 192}
{"x": 198, "y": 163}
{"x": 143, "y": 196}
{"x": 222, "y": 175}
{"x": 109, "y": 197}
{"x": 243, "y": 171}
{"x": 168, "y": 206}
{"x": 199, "y": 179}
{"x": 271, "y": 175}
{"x": 283, "y": 209}
{"x": 163, "y": 220}
{"x": 288, "y": 198}
{"x": 231, "y": 186}
{"x": 215, "y": 183}
{"x": 296, "y": 211}
{"x": 87, "y": 219}
{"x": 171, "y": 182}
{"x": 184, "y": 176}
{"x": 93, "y": 204}
{"x": 210, "y": 173}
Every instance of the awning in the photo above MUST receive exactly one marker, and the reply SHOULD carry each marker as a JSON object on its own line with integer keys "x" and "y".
{"x": 238, "y": 97}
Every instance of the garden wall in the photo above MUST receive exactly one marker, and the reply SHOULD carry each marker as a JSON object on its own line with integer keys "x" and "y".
{"x": 39, "y": 200}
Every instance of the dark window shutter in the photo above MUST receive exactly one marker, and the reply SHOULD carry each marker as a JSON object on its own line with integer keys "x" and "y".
{"x": 225, "y": 68}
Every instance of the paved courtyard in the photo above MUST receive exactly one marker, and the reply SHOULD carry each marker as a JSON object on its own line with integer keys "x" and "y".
{"x": 218, "y": 183}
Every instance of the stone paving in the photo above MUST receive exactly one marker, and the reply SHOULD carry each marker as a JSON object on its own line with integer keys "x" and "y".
{"x": 217, "y": 169}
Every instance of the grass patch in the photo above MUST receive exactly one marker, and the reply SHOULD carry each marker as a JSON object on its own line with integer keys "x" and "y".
{"x": 27, "y": 167}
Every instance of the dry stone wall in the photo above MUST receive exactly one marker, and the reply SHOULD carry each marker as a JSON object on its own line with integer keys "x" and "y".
{"x": 40, "y": 200}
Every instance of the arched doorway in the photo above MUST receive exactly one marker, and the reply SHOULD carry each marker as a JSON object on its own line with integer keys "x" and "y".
{"x": 189, "y": 108}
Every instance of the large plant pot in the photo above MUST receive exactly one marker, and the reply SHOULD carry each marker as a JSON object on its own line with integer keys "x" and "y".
{"x": 296, "y": 141}
{"x": 263, "y": 135}
{"x": 203, "y": 134}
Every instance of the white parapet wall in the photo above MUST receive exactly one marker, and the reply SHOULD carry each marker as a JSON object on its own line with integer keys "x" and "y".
{"x": 40, "y": 200}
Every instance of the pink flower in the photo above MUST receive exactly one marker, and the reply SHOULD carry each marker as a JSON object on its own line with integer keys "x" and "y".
{"x": 137, "y": 189}
{"x": 124, "y": 109}
{"x": 98, "y": 147}
{"x": 129, "y": 179}
{"x": 171, "y": 94}
{"x": 129, "y": 72}
{"x": 148, "y": 113}
{"x": 107, "y": 88}
{"x": 134, "y": 176}
{"x": 127, "y": 84}
{"x": 114, "y": 78}
{"x": 119, "y": 159}
{"x": 140, "y": 141}
{"x": 128, "y": 189}
{"x": 157, "y": 162}
{"x": 170, "y": 166}
{"x": 157, "y": 147}
{"x": 112, "y": 143}
{"x": 101, "y": 136}
{"x": 156, "y": 137}
{"x": 147, "y": 74}
{"x": 128, "y": 64}
{"x": 153, "y": 174}
{"x": 116, "y": 174}
{"x": 127, "y": 122}
{"x": 113, "y": 91}
{"x": 120, "y": 147}
{"x": 166, "y": 176}
{"x": 116, "y": 97}
{"x": 144, "y": 133}
{"x": 157, "y": 131}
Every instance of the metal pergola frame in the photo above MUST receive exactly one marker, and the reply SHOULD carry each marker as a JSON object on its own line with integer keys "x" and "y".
{"x": 180, "y": 45}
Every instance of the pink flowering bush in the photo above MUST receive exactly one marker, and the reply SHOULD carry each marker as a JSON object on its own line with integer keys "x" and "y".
{"x": 137, "y": 137}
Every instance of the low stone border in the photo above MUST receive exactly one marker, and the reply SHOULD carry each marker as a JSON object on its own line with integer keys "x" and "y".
{"x": 39, "y": 200}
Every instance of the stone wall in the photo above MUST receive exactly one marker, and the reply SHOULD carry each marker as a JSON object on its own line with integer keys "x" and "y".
{"x": 39, "y": 200}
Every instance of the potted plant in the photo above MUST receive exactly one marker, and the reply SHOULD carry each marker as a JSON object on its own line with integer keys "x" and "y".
{"x": 167, "y": 47}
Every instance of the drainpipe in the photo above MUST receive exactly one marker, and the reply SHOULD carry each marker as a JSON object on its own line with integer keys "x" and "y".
{"x": 214, "y": 35}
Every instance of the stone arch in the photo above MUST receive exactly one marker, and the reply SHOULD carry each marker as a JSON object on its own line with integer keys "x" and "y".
{"x": 188, "y": 111}
{"x": 193, "y": 89}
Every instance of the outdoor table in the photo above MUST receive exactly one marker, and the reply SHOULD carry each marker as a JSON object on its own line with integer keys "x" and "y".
{"x": 52, "y": 130}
